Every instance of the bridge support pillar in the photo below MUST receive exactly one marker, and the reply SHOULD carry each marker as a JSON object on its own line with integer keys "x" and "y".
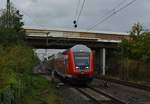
{"x": 100, "y": 57}
{"x": 103, "y": 60}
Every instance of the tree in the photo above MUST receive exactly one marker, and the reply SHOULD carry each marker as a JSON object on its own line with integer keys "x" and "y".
{"x": 11, "y": 30}
{"x": 137, "y": 48}
{"x": 135, "y": 54}
{"x": 137, "y": 29}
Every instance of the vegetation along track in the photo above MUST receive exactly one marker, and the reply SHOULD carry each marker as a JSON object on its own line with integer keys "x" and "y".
{"x": 126, "y": 83}
{"x": 99, "y": 97}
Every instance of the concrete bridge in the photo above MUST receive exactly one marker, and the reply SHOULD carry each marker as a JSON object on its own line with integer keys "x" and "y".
{"x": 99, "y": 41}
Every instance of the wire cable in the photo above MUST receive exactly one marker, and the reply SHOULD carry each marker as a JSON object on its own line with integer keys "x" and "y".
{"x": 121, "y": 3}
{"x": 113, "y": 13}
{"x": 76, "y": 12}
{"x": 112, "y": 10}
{"x": 33, "y": 20}
{"x": 80, "y": 11}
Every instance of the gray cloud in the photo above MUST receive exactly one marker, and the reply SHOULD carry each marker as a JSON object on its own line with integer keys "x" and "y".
{"x": 60, "y": 13}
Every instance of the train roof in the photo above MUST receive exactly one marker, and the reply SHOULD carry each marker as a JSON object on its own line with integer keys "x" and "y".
{"x": 80, "y": 48}
{"x": 76, "y": 48}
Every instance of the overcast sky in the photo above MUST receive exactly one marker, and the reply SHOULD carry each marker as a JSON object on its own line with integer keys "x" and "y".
{"x": 61, "y": 13}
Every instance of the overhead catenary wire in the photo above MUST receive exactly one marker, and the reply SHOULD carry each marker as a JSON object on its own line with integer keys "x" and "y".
{"x": 76, "y": 13}
{"x": 33, "y": 20}
{"x": 112, "y": 10}
{"x": 77, "y": 9}
{"x": 119, "y": 4}
{"x": 78, "y": 17}
{"x": 81, "y": 10}
{"x": 100, "y": 21}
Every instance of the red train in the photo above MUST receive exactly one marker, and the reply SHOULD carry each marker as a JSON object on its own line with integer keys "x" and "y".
{"x": 74, "y": 64}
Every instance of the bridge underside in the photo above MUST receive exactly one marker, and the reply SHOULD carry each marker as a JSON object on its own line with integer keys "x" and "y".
{"x": 99, "y": 47}
{"x": 65, "y": 43}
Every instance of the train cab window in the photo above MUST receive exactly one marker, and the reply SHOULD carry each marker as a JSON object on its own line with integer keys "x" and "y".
{"x": 82, "y": 60}
{"x": 81, "y": 56}
{"x": 65, "y": 60}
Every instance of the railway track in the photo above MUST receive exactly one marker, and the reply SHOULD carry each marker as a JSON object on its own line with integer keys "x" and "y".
{"x": 126, "y": 83}
{"x": 99, "y": 97}
{"x": 102, "y": 95}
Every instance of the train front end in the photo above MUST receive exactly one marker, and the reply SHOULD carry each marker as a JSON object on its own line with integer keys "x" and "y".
{"x": 81, "y": 66}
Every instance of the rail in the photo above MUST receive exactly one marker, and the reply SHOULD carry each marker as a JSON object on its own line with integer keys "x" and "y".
{"x": 113, "y": 100}
{"x": 126, "y": 83}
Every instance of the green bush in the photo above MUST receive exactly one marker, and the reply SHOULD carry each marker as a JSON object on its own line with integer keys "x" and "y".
{"x": 135, "y": 55}
{"x": 40, "y": 91}
{"x": 11, "y": 36}
{"x": 15, "y": 59}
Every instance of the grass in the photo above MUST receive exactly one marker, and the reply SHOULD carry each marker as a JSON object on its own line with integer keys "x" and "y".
{"x": 42, "y": 91}
{"x": 16, "y": 64}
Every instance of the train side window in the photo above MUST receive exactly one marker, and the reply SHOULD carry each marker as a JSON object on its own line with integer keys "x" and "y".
{"x": 65, "y": 61}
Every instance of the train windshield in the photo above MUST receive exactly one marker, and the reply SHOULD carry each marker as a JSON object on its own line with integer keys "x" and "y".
{"x": 81, "y": 56}
{"x": 82, "y": 59}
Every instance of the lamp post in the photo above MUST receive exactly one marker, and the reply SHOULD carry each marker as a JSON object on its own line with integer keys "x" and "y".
{"x": 46, "y": 43}
{"x": 8, "y": 14}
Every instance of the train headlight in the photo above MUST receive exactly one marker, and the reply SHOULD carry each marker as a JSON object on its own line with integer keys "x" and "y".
{"x": 77, "y": 67}
{"x": 86, "y": 67}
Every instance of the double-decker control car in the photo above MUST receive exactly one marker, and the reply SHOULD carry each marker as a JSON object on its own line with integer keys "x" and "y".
{"x": 74, "y": 64}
